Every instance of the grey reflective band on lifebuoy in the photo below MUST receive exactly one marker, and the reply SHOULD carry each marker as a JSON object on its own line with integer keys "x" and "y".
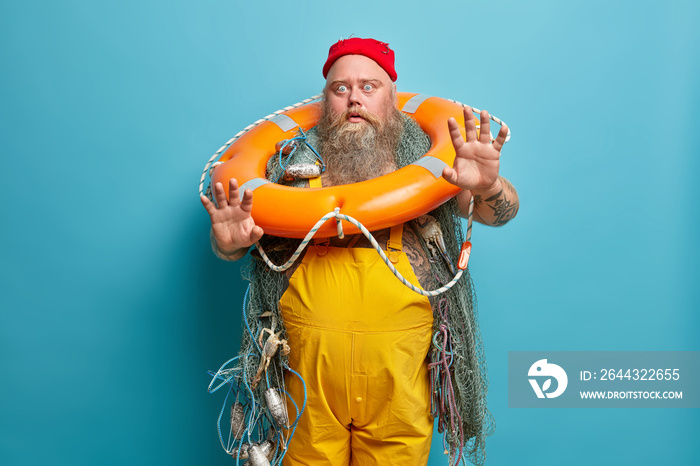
{"x": 433, "y": 164}
{"x": 253, "y": 184}
{"x": 284, "y": 122}
{"x": 414, "y": 102}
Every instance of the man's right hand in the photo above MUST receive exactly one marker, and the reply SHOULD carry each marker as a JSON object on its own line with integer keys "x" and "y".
{"x": 232, "y": 226}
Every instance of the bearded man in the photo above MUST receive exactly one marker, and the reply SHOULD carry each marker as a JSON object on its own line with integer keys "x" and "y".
{"x": 358, "y": 337}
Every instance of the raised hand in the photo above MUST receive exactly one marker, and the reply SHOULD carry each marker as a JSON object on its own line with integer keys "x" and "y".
{"x": 232, "y": 226}
{"x": 476, "y": 161}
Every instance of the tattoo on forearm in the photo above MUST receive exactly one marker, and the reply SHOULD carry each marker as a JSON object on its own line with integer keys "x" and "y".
{"x": 503, "y": 208}
{"x": 495, "y": 196}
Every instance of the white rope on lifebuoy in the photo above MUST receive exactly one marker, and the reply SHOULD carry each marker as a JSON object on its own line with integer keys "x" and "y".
{"x": 338, "y": 217}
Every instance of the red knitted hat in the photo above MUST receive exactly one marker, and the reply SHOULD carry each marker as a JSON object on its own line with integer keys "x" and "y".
{"x": 370, "y": 48}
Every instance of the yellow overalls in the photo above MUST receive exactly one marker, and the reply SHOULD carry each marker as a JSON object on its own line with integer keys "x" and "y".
{"x": 359, "y": 338}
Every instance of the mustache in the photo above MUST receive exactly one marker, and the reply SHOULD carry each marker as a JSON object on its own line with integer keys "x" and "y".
{"x": 361, "y": 112}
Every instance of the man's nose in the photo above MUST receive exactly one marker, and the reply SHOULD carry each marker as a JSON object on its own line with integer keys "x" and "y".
{"x": 354, "y": 98}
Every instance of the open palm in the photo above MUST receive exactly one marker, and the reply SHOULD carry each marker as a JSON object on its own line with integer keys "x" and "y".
{"x": 476, "y": 161}
{"x": 232, "y": 225}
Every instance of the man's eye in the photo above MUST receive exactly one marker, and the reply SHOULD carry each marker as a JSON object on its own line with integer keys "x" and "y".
{"x": 368, "y": 87}
{"x": 341, "y": 88}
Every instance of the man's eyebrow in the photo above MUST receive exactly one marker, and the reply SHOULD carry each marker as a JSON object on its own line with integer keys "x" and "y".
{"x": 365, "y": 80}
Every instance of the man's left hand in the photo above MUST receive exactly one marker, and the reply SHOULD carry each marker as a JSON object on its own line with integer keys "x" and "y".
{"x": 477, "y": 159}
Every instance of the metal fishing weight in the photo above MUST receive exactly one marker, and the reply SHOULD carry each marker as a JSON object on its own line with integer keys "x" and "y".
{"x": 277, "y": 408}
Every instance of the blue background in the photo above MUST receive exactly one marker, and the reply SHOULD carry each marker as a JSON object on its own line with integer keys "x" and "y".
{"x": 113, "y": 307}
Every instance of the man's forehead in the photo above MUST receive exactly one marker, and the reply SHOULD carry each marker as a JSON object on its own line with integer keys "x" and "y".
{"x": 357, "y": 67}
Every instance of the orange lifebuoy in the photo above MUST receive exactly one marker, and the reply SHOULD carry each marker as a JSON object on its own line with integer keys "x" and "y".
{"x": 377, "y": 203}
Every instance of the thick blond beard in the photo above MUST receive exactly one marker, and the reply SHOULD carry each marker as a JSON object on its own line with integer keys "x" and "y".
{"x": 356, "y": 152}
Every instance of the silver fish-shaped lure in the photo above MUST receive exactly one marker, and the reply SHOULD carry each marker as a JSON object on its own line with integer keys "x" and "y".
{"x": 277, "y": 408}
{"x": 237, "y": 420}
{"x": 256, "y": 457}
{"x": 302, "y": 171}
